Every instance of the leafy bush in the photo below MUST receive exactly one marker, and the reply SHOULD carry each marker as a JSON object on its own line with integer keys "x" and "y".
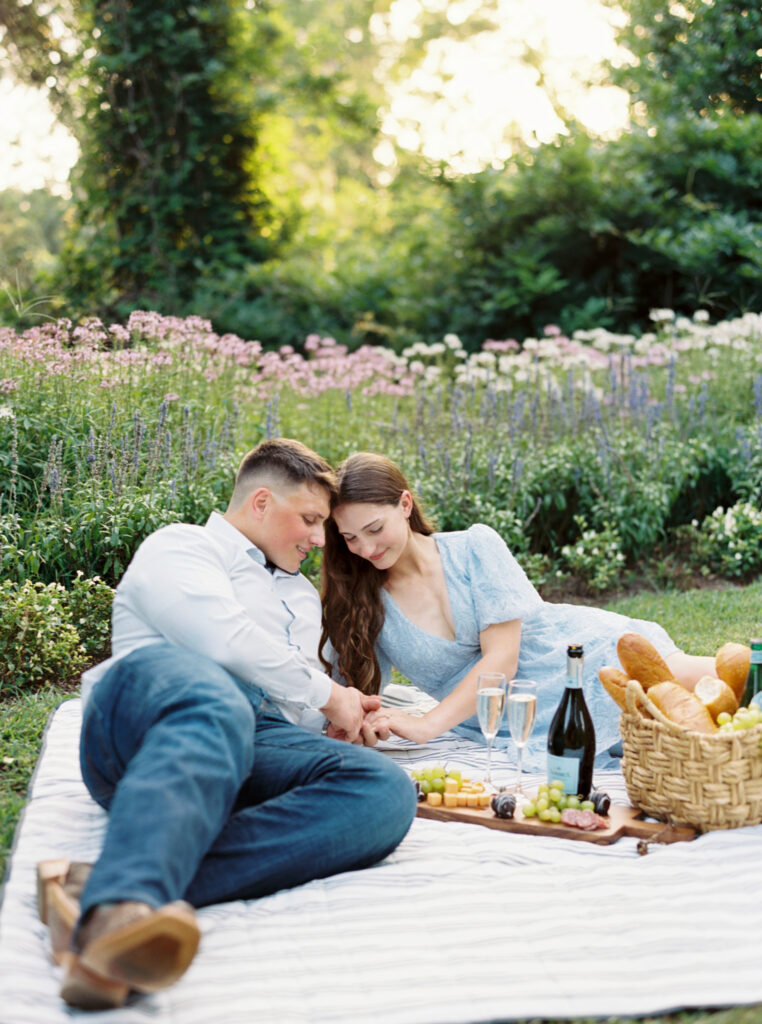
{"x": 596, "y": 556}
{"x": 729, "y": 541}
{"x": 49, "y": 634}
{"x": 40, "y": 644}
{"x": 90, "y": 601}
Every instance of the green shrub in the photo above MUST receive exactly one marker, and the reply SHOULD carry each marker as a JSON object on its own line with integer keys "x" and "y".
{"x": 40, "y": 644}
{"x": 596, "y": 557}
{"x": 729, "y": 542}
{"x": 90, "y": 601}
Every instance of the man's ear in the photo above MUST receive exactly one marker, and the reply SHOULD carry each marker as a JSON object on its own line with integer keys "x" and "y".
{"x": 259, "y": 502}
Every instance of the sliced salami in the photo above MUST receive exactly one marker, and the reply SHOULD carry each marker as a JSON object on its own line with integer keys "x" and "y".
{"x": 587, "y": 820}
{"x": 570, "y": 816}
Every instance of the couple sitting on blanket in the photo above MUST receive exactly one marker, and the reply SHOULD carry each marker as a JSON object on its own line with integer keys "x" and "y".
{"x": 202, "y": 736}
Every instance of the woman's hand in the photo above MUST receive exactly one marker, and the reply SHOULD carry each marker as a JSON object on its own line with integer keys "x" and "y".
{"x": 409, "y": 727}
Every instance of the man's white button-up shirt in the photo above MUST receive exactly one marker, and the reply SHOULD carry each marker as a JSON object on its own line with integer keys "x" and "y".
{"x": 206, "y": 589}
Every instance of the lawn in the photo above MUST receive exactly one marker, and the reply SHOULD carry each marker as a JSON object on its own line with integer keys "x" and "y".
{"x": 699, "y": 620}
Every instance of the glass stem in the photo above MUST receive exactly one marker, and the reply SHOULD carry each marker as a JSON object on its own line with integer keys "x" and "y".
{"x": 489, "y": 761}
{"x": 518, "y": 773}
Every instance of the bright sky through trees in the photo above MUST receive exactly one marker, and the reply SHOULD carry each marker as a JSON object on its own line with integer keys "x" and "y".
{"x": 467, "y": 104}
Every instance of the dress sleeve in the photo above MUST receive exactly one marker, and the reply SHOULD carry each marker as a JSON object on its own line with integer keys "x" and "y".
{"x": 500, "y": 589}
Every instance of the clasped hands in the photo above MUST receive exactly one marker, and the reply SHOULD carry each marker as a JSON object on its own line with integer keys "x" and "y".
{"x": 356, "y": 717}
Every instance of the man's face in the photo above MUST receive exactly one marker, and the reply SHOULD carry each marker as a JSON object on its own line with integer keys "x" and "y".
{"x": 294, "y": 524}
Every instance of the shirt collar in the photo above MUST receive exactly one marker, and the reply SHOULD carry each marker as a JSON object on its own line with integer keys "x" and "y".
{"x": 221, "y": 527}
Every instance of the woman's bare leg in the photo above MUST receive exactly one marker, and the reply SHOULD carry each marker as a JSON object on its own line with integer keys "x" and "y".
{"x": 689, "y": 668}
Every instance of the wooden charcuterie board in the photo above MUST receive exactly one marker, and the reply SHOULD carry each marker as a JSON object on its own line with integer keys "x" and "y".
{"x": 623, "y": 820}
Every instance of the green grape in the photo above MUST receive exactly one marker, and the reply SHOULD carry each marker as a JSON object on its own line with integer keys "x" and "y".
{"x": 572, "y": 801}
{"x": 555, "y": 814}
{"x": 545, "y": 814}
{"x": 428, "y": 774}
{"x": 587, "y": 805}
{"x": 438, "y": 772}
{"x": 557, "y": 784}
{"x": 544, "y": 788}
{"x": 542, "y": 804}
{"x": 425, "y": 786}
{"x": 529, "y": 810}
{"x": 724, "y": 717}
{"x": 563, "y": 803}
{"x": 438, "y": 785}
{"x": 555, "y": 795}
{"x": 455, "y": 773}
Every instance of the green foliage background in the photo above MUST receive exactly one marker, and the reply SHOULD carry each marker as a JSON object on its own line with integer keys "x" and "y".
{"x": 227, "y": 169}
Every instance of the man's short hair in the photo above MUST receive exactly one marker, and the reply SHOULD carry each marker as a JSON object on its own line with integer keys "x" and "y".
{"x": 281, "y": 462}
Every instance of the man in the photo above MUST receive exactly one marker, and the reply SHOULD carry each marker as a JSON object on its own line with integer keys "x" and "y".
{"x": 189, "y": 739}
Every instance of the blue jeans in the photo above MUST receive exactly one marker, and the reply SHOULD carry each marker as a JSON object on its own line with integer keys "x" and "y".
{"x": 213, "y": 798}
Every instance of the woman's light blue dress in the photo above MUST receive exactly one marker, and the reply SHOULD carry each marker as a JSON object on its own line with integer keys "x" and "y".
{"x": 487, "y": 585}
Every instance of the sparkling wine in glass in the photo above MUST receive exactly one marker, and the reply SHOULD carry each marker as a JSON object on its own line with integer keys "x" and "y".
{"x": 522, "y": 708}
{"x": 490, "y": 705}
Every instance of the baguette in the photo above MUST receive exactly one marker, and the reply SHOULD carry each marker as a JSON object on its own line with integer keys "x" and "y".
{"x": 614, "y": 682}
{"x": 732, "y": 662}
{"x": 681, "y": 707}
{"x": 640, "y": 660}
{"x": 716, "y": 696}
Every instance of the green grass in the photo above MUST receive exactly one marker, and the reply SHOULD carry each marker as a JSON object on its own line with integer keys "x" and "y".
{"x": 699, "y": 621}
{"x": 23, "y": 723}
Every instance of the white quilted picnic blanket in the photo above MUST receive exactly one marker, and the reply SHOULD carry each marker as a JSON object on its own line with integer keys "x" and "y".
{"x": 461, "y": 924}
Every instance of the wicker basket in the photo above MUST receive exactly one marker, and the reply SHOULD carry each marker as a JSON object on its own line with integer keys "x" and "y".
{"x": 690, "y": 778}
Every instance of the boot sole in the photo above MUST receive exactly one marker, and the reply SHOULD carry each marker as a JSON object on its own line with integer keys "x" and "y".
{"x": 149, "y": 954}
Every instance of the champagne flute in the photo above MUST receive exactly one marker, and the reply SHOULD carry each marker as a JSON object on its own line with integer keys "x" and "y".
{"x": 490, "y": 705}
{"x": 522, "y": 708}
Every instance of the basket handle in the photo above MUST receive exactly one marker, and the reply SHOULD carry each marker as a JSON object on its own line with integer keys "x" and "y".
{"x": 636, "y": 697}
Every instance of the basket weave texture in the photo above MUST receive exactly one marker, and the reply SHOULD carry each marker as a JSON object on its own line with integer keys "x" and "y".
{"x": 689, "y": 778}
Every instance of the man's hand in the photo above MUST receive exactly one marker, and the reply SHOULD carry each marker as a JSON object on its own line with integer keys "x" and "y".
{"x": 346, "y": 712}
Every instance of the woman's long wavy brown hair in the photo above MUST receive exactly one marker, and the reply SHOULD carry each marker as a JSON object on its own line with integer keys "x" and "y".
{"x": 353, "y": 612}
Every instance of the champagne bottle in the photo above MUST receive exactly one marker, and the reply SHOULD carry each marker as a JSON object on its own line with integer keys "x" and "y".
{"x": 571, "y": 738}
{"x": 753, "y": 691}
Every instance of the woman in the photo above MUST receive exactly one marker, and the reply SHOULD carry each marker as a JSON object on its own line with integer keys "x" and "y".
{"x": 444, "y": 607}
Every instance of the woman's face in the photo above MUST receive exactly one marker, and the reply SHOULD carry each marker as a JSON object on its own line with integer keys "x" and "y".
{"x": 378, "y": 533}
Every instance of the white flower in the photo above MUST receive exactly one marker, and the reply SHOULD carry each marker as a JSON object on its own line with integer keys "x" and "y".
{"x": 701, "y": 316}
{"x": 452, "y": 341}
{"x": 6, "y": 413}
{"x": 660, "y": 316}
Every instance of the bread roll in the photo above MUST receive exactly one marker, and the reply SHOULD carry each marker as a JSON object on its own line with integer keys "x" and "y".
{"x": 614, "y": 682}
{"x": 716, "y": 696}
{"x": 681, "y": 707}
{"x": 732, "y": 662}
{"x": 640, "y": 660}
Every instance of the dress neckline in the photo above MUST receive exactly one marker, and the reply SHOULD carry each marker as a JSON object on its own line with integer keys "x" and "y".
{"x": 441, "y": 548}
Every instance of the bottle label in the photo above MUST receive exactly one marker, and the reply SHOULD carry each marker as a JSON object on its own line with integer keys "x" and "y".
{"x": 756, "y": 656}
{"x": 566, "y": 770}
